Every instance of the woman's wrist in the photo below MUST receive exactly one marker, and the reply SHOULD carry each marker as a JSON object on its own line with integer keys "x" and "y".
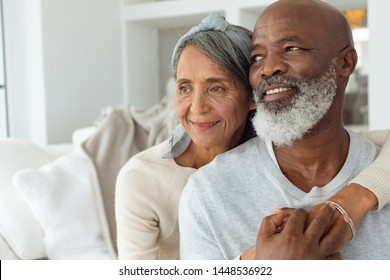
{"x": 356, "y": 200}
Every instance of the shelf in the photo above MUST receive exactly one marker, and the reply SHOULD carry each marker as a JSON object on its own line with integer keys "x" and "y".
{"x": 170, "y": 14}
{"x": 175, "y": 13}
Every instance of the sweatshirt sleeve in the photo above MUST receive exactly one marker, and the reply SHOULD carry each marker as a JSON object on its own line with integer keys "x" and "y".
{"x": 137, "y": 223}
{"x": 376, "y": 177}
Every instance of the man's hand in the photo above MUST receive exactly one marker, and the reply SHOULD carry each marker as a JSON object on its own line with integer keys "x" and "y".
{"x": 294, "y": 234}
{"x": 339, "y": 240}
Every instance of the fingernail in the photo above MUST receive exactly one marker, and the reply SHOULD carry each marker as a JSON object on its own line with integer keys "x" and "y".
{"x": 276, "y": 211}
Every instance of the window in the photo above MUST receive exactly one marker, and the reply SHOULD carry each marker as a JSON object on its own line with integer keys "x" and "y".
{"x": 3, "y": 93}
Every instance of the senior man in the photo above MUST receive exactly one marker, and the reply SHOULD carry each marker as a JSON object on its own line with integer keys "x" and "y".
{"x": 302, "y": 56}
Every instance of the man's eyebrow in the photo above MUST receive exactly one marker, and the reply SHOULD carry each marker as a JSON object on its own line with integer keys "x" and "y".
{"x": 254, "y": 46}
{"x": 289, "y": 39}
{"x": 280, "y": 41}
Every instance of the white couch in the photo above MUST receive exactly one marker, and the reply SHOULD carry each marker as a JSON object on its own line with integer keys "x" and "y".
{"x": 57, "y": 202}
{"x": 20, "y": 235}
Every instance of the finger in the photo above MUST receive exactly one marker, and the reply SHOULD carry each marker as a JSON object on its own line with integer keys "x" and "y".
{"x": 335, "y": 256}
{"x": 270, "y": 225}
{"x": 337, "y": 237}
{"x": 286, "y": 210}
{"x": 296, "y": 222}
{"x": 282, "y": 216}
{"x": 320, "y": 223}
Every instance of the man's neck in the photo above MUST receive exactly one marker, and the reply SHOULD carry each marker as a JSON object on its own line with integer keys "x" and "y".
{"x": 316, "y": 159}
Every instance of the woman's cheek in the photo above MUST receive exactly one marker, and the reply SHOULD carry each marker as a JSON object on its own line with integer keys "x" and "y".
{"x": 181, "y": 109}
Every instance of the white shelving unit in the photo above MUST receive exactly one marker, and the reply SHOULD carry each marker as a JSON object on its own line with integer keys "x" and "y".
{"x": 158, "y": 24}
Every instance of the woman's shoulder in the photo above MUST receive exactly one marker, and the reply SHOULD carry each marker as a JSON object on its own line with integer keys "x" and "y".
{"x": 148, "y": 157}
{"x": 150, "y": 168}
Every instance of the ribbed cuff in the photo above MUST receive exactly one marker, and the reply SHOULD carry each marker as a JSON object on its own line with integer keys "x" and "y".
{"x": 377, "y": 180}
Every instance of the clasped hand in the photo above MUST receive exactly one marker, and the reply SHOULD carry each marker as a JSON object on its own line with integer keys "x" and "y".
{"x": 297, "y": 234}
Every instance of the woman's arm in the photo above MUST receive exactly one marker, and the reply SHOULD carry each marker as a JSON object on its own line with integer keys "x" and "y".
{"x": 137, "y": 226}
{"x": 370, "y": 190}
{"x": 376, "y": 177}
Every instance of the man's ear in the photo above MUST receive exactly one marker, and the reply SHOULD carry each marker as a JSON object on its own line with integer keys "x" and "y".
{"x": 253, "y": 105}
{"x": 348, "y": 60}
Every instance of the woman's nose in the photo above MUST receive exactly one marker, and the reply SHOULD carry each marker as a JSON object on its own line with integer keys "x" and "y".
{"x": 199, "y": 103}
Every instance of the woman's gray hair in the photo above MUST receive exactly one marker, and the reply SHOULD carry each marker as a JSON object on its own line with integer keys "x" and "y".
{"x": 226, "y": 44}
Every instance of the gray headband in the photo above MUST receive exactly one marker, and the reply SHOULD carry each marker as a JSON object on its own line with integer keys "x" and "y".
{"x": 216, "y": 22}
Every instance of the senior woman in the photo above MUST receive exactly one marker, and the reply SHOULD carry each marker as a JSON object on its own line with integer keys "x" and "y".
{"x": 213, "y": 102}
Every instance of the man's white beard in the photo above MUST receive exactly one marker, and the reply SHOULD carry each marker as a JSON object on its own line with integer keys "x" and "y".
{"x": 283, "y": 124}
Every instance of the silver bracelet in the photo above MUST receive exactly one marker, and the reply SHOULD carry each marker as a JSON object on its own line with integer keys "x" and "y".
{"x": 343, "y": 212}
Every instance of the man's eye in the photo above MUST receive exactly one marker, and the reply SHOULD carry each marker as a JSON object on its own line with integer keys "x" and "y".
{"x": 291, "y": 48}
{"x": 257, "y": 58}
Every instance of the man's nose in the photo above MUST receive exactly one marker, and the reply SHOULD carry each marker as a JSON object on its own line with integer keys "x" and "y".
{"x": 272, "y": 66}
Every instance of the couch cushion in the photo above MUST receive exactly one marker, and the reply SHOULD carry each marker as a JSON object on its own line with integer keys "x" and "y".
{"x": 6, "y": 253}
{"x": 65, "y": 198}
{"x": 17, "y": 224}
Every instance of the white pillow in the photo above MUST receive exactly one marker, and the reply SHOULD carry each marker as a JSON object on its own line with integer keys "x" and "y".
{"x": 17, "y": 224}
{"x": 6, "y": 253}
{"x": 65, "y": 198}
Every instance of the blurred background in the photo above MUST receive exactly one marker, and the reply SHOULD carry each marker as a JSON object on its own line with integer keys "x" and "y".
{"x": 63, "y": 61}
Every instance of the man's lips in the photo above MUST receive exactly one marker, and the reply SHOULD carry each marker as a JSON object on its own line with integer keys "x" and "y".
{"x": 275, "y": 88}
{"x": 275, "y": 92}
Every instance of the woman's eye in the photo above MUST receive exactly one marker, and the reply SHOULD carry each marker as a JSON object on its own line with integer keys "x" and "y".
{"x": 217, "y": 89}
{"x": 183, "y": 89}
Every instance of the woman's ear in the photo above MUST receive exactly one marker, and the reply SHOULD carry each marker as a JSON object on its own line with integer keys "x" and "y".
{"x": 348, "y": 60}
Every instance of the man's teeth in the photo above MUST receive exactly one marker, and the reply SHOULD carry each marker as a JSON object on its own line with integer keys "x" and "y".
{"x": 276, "y": 90}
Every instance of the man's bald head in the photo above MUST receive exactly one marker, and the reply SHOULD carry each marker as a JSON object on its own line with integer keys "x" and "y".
{"x": 319, "y": 16}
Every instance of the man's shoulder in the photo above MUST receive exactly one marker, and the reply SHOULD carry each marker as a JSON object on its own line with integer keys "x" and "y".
{"x": 250, "y": 147}
{"x": 228, "y": 165}
{"x": 359, "y": 143}
{"x": 362, "y": 150}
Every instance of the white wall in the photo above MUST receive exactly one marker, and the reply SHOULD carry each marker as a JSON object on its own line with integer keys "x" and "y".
{"x": 167, "y": 41}
{"x": 379, "y": 61}
{"x": 64, "y": 65}
{"x": 141, "y": 71}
